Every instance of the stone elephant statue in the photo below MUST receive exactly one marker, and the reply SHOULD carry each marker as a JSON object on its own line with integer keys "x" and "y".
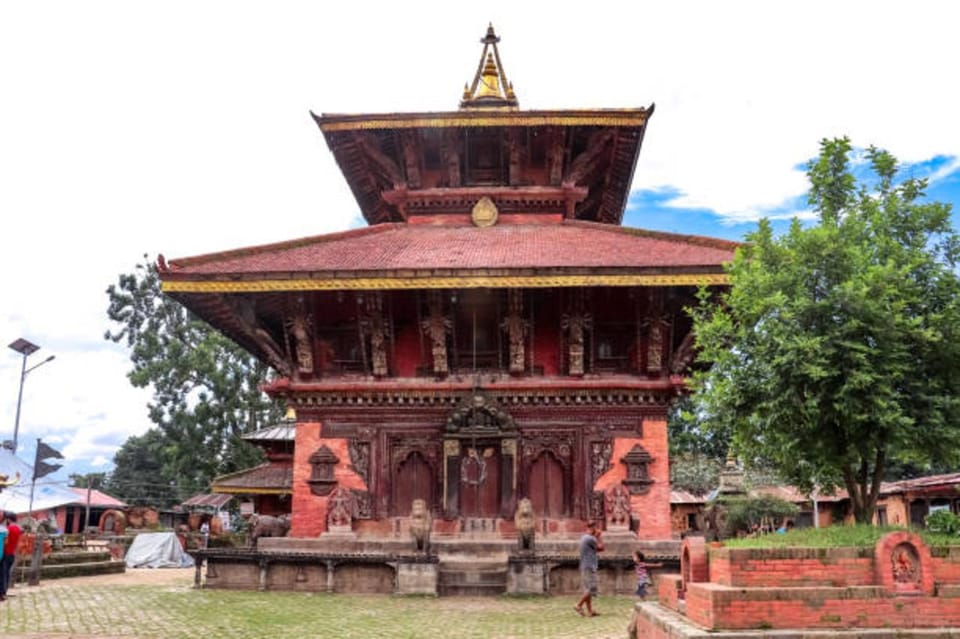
{"x": 268, "y": 526}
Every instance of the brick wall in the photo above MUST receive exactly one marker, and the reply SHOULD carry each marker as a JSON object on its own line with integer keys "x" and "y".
{"x": 309, "y": 510}
{"x": 716, "y": 607}
{"x": 653, "y": 508}
{"x": 791, "y": 567}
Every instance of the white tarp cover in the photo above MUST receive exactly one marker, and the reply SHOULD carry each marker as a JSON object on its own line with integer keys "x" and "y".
{"x": 157, "y": 550}
{"x": 48, "y": 493}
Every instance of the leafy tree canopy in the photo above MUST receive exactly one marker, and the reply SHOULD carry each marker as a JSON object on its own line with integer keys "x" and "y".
{"x": 835, "y": 352}
{"x": 206, "y": 391}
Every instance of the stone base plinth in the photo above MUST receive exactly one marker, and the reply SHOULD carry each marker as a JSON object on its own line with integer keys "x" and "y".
{"x": 416, "y": 579}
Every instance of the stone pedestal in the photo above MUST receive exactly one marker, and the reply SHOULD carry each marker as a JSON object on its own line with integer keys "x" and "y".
{"x": 526, "y": 578}
{"x": 416, "y": 579}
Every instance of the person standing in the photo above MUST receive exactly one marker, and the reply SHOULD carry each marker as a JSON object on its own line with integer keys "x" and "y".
{"x": 205, "y": 533}
{"x": 590, "y": 545}
{"x": 9, "y": 552}
{"x": 640, "y": 567}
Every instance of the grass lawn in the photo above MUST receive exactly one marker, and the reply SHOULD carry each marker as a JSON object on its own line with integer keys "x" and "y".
{"x": 180, "y": 611}
{"x": 833, "y": 537}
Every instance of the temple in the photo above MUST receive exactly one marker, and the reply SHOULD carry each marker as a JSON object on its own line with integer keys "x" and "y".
{"x": 494, "y": 334}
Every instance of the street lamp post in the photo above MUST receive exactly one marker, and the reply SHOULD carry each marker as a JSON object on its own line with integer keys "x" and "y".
{"x": 25, "y": 348}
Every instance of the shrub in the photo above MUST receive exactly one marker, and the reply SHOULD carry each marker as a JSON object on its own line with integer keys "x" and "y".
{"x": 943, "y": 522}
{"x": 745, "y": 514}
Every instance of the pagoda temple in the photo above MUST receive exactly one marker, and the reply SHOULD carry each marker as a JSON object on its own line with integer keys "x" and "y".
{"x": 494, "y": 334}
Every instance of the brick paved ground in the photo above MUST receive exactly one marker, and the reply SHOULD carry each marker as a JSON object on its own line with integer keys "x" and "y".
{"x": 162, "y": 603}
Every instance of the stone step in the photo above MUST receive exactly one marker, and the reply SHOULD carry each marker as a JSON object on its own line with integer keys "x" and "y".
{"x": 84, "y": 569}
{"x": 74, "y": 557}
{"x": 472, "y": 579}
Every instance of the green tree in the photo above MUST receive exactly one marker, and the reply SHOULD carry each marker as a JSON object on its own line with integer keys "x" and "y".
{"x": 697, "y": 452}
{"x": 836, "y": 350}
{"x": 206, "y": 389}
{"x": 142, "y": 475}
{"x": 87, "y": 480}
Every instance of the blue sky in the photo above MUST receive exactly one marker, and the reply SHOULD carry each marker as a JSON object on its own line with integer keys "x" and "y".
{"x": 653, "y": 209}
{"x": 132, "y": 128}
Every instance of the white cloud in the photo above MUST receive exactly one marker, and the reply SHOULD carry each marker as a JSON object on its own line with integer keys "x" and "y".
{"x": 184, "y": 128}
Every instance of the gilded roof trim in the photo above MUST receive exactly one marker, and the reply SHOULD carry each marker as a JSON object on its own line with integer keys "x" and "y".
{"x": 623, "y": 118}
{"x": 408, "y": 283}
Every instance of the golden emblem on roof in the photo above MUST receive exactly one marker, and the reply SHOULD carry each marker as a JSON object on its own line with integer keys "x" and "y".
{"x": 490, "y": 87}
{"x": 484, "y": 212}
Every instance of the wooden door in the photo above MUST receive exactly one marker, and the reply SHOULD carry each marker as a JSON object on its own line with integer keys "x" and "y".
{"x": 545, "y": 485}
{"x": 414, "y": 480}
{"x": 480, "y": 480}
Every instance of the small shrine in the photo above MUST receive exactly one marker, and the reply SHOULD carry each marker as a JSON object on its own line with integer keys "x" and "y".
{"x": 493, "y": 335}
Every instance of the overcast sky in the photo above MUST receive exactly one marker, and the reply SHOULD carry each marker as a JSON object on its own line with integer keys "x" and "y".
{"x": 183, "y": 127}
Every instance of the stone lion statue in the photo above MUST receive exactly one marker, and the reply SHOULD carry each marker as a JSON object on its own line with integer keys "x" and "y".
{"x": 525, "y": 523}
{"x": 420, "y": 524}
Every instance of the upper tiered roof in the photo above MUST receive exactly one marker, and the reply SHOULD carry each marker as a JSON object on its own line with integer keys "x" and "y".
{"x": 578, "y": 163}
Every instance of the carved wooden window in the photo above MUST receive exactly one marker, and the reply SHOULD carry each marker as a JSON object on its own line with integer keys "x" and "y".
{"x": 322, "y": 463}
{"x": 638, "y": 479}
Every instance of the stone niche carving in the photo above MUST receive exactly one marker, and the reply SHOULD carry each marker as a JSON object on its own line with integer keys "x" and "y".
{"x": 638, "y": 480}
{"x": 905, "y": 565}
{"x": 322, "y": 480}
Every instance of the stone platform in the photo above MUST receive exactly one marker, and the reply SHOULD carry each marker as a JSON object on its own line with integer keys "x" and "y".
{"x": 452, "y": 566}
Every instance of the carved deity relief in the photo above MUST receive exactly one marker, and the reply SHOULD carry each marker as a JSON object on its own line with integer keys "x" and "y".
{"x": 298, "y": 326}
{"x": 360, "y": 458}
{"x": 516, "y": 328}
{"x": 617, "y": 507}
{"x": 576, "y": 324}
{"x": 655, "y": 342}
{"x": 600, "y": 453}
{"x": 340, "y": 509}
{"x": 905, "y": 562}
{"x": 374, "y": 326}
{"x": 436, "y": 328}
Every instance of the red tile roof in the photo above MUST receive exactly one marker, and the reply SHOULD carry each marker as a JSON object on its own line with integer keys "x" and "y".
{"x": 97, "y": 499}
{"x": 393, "y": 247}
{"x": 272, "y": 477}
{"x": 205, "y": 500}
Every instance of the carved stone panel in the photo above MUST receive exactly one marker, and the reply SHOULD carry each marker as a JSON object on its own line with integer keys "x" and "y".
{"x": 616, "y": 502}
{"x": 340, "y": 509}
{"x": 363, "y": 504}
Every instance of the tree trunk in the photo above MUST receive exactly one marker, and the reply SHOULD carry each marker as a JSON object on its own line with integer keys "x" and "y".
{"x": 864, "y": 487}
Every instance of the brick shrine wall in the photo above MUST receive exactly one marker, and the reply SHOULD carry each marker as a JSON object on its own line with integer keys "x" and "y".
{"x": 791, "y": 567}
{"x": 714, "y": 607}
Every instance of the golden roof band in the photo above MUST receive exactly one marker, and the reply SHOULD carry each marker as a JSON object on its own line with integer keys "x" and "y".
{"x": 408, "y": 283}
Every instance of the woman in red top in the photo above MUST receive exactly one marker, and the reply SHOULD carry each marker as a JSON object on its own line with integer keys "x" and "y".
{"x": 9, "y": 553}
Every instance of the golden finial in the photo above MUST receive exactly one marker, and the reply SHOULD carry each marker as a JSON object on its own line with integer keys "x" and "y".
{"x": 490, "y": 87}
